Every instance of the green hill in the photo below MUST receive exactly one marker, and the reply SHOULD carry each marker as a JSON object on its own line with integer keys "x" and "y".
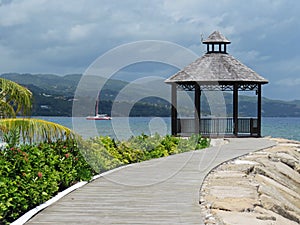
{"x": 54, "y": 95}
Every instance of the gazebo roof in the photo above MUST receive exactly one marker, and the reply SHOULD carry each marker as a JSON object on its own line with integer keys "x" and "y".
{"x": 216, "y": 37}
{"x": 216, "y": 67}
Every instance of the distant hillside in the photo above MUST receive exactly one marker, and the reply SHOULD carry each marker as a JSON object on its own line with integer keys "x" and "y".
{"x": 53, "y": 96}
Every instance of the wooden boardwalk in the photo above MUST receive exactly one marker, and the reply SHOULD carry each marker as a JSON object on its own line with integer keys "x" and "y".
{"x": 160, "y": 191}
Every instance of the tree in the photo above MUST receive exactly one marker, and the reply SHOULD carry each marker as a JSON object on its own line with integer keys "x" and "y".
{"x": 14, "y": 99}
{"x": 17, "y": 100}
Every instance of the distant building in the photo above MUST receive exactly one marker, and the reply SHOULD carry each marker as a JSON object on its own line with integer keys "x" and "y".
{"x": 45, "y": 107}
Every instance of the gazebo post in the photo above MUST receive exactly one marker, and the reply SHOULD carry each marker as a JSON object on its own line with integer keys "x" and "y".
{"x": 259, "y": 110}
{"x": 174, "y": 109}
{"x": 197, "y": 108}
{"x": 235, "y": 108}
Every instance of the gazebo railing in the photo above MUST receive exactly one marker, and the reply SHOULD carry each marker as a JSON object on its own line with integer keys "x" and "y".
{"x": 218, "y": 126}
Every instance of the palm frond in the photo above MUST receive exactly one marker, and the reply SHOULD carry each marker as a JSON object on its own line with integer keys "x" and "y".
{"x": 6, "y": 110}
{"x": 15, "y": 95}
{"x": 36, "y": 130}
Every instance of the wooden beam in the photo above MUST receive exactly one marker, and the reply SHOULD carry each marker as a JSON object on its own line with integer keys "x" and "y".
{"x": 235, "y": 108}
{"x": 197, "y": 108}
{"x": 259, "y": 107}
{"x": 174, "y": 109}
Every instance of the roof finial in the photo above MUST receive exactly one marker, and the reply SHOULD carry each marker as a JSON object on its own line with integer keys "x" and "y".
{"x": 216, "y": 37}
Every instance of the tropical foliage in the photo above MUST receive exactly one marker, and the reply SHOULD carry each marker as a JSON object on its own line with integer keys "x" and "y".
{"x": 32, "y": 174}
{"x": 28, "y": 130}
{"x": 104, "y": 153}
{"x": 17, "y": 100}
{"x": 14, "y": 99}
{"x": 21, "y": 186}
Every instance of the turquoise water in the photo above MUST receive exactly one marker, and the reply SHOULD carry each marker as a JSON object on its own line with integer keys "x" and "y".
{"x": 119, "y": 127}
{"x": 285, "y": 127}
{"x": 123, "y": 128}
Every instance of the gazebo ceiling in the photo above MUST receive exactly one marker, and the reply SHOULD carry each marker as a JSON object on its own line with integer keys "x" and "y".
{"x": 216, "y": 67}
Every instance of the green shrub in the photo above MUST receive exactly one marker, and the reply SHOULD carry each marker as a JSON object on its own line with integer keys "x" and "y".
{"x": 101, "y": 153}
{"x": 104, "y": 153}
{"x": 32, "y": 174}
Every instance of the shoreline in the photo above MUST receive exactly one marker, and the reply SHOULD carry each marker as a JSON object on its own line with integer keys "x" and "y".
{"x": 259, "y": 188}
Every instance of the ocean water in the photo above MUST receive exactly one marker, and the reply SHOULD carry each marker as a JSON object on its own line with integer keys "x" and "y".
{"x": 123, "y": 127}
{"x": 285, "y": 127}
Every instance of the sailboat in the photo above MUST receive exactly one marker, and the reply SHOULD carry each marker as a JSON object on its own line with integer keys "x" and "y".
{"x": 98, "y": 116}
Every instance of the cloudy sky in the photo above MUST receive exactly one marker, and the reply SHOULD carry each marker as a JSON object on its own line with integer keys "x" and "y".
{"x": 63, "y": 37}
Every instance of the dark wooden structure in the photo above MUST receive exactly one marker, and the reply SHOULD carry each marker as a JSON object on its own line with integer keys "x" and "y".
{"x": 216, "y": 71}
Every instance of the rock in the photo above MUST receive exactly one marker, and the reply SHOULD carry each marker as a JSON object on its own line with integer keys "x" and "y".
{"x": 260, "y": 188}
{"x": 279, "y": 219}
{"x": 264, "y": 217}
{"x": 243, "y": 169}
{"x": 224, "y": 174}
{"x": 208, "y": 216}
{"x": 244, "y": 162}
{"x": 291, "y": 179}
{"x": 238, "y": 218}
{"x": 281, "y": 173}
{"x": 235, "y": 204}
{"x": 286, "y": 213}
{"x": 297, "y": 168}
{"x": 278, "y": 204}
{"x": 279, "y": 192}
{"x": 230, "y": 191}
{"x": 268, "y": 202}
{"x": 286, "y": 142}
{"x": 292, "y": 151}
{"x": 285, "y": 158}
{"x": 245, "y": 218}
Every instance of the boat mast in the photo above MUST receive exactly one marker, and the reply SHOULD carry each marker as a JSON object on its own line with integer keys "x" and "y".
{"x": 97, "y": 104}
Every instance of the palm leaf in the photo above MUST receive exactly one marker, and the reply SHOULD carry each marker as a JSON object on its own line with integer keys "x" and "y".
{"x": 36, "y": 130}
{"x": 16, "y": 96}
{"x": 6, "y": 110}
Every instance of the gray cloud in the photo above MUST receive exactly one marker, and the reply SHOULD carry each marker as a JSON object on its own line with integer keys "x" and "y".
{"x": 51, "y": 36}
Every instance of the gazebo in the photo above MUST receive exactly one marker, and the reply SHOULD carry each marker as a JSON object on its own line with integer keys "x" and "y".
{"x": 216, "y": 71}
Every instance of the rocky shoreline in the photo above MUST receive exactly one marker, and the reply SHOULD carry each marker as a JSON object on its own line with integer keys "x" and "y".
{"x": 260, "y": 188}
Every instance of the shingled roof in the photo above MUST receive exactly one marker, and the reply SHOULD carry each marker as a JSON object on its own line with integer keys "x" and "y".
{"x": 216, "y": 67}
{"x": 216, "y": 37}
